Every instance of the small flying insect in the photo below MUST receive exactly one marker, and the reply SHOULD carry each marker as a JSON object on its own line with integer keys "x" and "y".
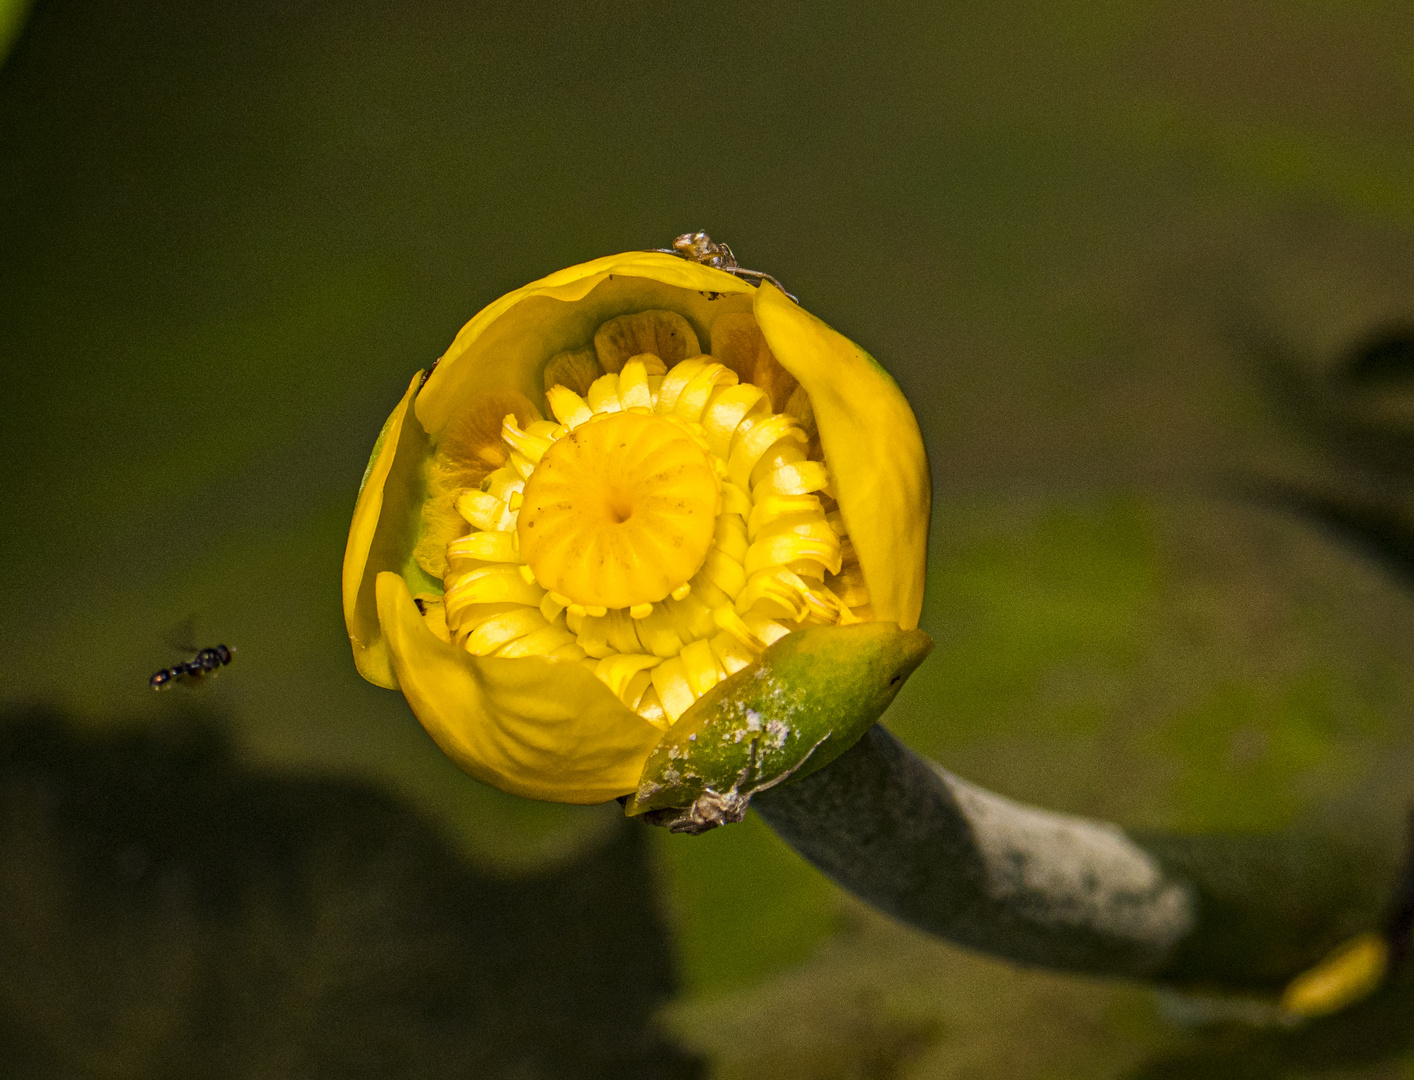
{"x": 698, "y": 247}
{"x": 206, "y": 662}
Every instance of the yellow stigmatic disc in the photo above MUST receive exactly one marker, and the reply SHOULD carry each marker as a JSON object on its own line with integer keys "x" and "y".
{"x": 619, "y": 512}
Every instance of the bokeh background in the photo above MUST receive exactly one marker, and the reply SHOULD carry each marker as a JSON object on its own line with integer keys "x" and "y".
{"x": 1145, "y": 271}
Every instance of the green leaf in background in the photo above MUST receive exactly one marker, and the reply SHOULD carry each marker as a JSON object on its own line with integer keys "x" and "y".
{"x": 1172, "y": 663}
{"x": 12, "y": 20}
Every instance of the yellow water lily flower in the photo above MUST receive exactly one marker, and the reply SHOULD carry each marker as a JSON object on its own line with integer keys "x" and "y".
{"x": 619, "y": 486}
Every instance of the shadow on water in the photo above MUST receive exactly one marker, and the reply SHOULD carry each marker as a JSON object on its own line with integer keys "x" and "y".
{"x": 1358, "y": 408}
{"x": 168, "y": 912}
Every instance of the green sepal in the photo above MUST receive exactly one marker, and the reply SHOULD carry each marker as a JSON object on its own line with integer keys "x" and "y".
{"x": 807, "y": 699}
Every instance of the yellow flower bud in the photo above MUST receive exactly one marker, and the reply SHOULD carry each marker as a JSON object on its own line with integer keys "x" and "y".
{"x": 620, "y": 486}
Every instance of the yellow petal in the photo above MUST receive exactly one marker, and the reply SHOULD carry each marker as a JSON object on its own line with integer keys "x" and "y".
{"x": 510, "y": 341}
{"x": 604, "y": 394}
{"x": 738, "y": 342}
{"x": 779, "y": 593}
{"x": 575, "y": 370}
{"x": 721, "y": 570}
{"x": 767, "y": 629}
{"x": 730, "y": 536}
{"x": 532, "y": 727}
{"x": 658, "y": 634}
{"x": 727, "y": 410}
{"x": 664, "y": 334}
{"x": 732, "y": 623}
{"x": 874, "y": 450}
{"x": 593, "y": 636}
{"x": 383, "y": 533}
{"x": 468, "y": 618}
{"x": 531, "y": 447}
{"x": 690, "y": 617}
{"x": 783, "y": 452}
{"x": 623, "y": 632}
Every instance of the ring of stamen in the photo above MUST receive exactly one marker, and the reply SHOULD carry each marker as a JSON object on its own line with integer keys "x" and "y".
{"x": 667, "y": 527}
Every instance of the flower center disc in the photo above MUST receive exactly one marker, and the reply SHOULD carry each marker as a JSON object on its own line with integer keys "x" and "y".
{"x": 620, "y": 511}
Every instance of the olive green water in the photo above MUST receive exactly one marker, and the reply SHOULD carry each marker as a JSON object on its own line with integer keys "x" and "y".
{"x": 229, "y": 234}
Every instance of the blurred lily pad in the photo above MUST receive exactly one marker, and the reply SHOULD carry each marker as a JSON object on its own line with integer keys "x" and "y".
{"x": 12, "y": 20}
{"x": 1176, "y": 663}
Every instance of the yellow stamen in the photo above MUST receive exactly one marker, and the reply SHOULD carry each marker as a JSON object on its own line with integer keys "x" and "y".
{"x": 771, "y": 508}
{"x": 670, "y": 680}
{"x": 727, "y": 410}
{"x": 503, "y": 629}
{"x": 749, "y": 448}
{"x": 731, "y": 653}
{"x": 569, "y": 408}
{"x": 604, "y": 394}
{"x": 489, "y": 585}
{"x": 618, "y": 672}
{"x": 659, "y": 634}
{"x": 538, "y": 642}
{"x": 490, "y": 546}
{"x": 633, "y": 385}
{"x": 482, "y": 510}
{"x": 532, "y": 447}
{"x": 798, "y": 479}
{"x": 699, "y": 388}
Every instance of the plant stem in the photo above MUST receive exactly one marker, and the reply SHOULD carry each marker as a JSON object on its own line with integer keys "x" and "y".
{"x": 1030, "y": 885}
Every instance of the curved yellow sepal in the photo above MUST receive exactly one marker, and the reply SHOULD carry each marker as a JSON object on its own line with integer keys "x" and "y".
{"x": 1350, "y": 973}
{"x": 360, "y": 607}
{"x": 528, "y": 726}
{"x": 873, "y": 448}
{"x": 509, "y": 340}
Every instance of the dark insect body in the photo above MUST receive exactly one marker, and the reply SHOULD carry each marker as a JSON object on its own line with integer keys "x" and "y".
{"x": 203, "y": 664}
{"x": 698, "y": 247}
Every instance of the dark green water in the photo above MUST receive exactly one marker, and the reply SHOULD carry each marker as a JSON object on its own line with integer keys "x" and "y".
{"x": 1121, "y": 257}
